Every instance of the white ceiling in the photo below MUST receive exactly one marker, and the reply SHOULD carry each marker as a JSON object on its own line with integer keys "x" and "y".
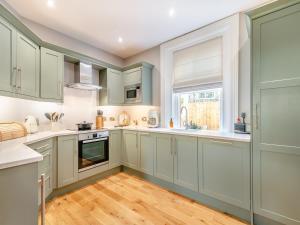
{"x": 141, "y": 23}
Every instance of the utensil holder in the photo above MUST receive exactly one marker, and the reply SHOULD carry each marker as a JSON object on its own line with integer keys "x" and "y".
{"x": 55, "y": 126}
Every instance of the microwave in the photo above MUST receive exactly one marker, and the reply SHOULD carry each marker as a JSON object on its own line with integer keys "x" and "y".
{"x": 133, "y": 94}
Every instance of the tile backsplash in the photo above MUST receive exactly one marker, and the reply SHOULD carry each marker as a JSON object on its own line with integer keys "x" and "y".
{"x": 78, "y": 106}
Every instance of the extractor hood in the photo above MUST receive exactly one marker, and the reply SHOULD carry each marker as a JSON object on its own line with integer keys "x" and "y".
{"x": 84, "y": 77}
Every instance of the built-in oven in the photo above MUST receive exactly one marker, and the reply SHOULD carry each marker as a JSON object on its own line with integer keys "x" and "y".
{"x": 133, "y": 94}
{"x": 93, "y": 150}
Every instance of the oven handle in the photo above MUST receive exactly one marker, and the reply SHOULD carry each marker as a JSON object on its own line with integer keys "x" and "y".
{"x": 95, "y": 140}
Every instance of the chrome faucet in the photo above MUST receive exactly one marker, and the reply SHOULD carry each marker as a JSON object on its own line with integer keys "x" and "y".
{"x": 186, "y": 124}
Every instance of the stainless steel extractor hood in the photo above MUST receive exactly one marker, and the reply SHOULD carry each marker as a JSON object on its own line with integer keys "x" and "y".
{"x": 84, "y": 77}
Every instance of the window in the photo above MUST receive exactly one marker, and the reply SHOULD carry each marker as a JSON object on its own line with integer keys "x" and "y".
{"x": 203, "y": 108}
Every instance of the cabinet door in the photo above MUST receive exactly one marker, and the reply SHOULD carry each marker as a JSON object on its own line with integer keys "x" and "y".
{"x": 224, "y": 171}
{"x": 115, "y": 87}
{"x": 28, "y": 60}
{"x": 7, "y": 56}
{"x": 115, "y": 148}
{"x": 186, "y": 162}
{"x": 67, "y": 153}
{"x": 147, "y": 148}
{"x": 133, "y": 76}
{"x": 51, "y": 74}
{"x": 130, "y": 149}
{"x": 164, "y": 162}
{"x": 276, "y": 104}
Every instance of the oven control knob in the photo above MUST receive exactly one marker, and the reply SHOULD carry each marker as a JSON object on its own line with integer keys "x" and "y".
{"x": 95, "y": 135}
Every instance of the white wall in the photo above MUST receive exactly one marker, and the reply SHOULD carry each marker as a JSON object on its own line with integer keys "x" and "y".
{"x": 153, "y": 56}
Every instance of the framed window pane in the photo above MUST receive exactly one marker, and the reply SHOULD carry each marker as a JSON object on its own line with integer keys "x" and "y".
{"x": 203, "y": 107}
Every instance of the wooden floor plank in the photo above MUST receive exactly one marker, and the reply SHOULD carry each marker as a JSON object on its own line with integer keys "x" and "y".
{"x": 123, "y": 199}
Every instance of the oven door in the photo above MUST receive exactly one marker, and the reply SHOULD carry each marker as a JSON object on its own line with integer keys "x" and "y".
{"x": 92, "y": 153}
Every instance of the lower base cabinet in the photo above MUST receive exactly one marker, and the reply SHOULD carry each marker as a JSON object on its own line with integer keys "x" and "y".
{"x": 224, "y": 171}
{"x": 67, "y": 160}
{"x": 115, "y": 148}
{"x": 130, "y": 149}
{"x": 147, "y": 143}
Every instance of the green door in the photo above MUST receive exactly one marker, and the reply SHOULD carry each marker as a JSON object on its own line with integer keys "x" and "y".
{"x": 115, "y": 147}
{"x": 8, "y": 56}
{"x": 164, "y": 160}
{"x": 115, "y": 87}
{"x": 276, "y": 110}
{"x": 28, "y": 60}
{"x": 67, "y": 160}
{"x": 51, "y": 74}
{"x": 147, "y": 147}
{"x": 130, "y": 149}
{"x": 186, "y": 162}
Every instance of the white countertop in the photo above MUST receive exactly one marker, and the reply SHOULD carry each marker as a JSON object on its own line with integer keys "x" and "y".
{"x": 15, "y": 152}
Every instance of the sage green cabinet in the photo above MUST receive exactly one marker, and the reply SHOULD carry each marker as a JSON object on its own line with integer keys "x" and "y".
{"x": 130, "y": 149}
{"x": 112, "y": 92}
{"x": 276, "y": 109}
{"x": 164, "y": 160}
{"x": 224, "y": 171}
{"x": 28, "y": 67}
{"x": 19, "y": 195}
{"x": 132, "y": 76}
{"x": 67, "y": 160}
{"x": 45, "y": 148}
{"x": 186, "y": 162}
{"x": 8, "y": 56}
{"x": 147, "y": 145}
{"x": 115, "y": 148}
{"x": 52, "y": 75}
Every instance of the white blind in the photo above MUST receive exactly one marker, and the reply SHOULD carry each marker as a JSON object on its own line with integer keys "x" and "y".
{"x": 199, "y": 64}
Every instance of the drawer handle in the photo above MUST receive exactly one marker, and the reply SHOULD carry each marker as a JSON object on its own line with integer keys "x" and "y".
{"x": 222, "y": 142}
{"x": 42, "y": 147}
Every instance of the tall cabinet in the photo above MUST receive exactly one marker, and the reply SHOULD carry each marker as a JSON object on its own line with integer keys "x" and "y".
{"x": 276, "y": 110}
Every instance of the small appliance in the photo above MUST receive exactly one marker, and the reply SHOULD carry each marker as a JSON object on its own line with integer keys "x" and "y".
{"x": 133, "y": 94}
{"x": 31, "y": 124}
{"x": 93, "y": 149}
{"x": 153, "y": 119}
{"x": 84, "y": 126}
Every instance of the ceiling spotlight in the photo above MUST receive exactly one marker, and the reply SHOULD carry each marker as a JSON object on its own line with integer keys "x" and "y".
{"x": 171, "y": 12}
{"x": 50, "y": 3}
{"x": 120, "y": 40}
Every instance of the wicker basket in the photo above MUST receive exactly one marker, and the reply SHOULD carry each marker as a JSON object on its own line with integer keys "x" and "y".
{"x": 12, "y": 130}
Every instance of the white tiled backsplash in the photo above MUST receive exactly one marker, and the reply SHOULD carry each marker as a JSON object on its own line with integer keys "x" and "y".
{"x": 78, "y": 106}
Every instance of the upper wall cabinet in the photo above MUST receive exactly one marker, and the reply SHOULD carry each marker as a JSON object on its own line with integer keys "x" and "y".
{"x": 28, "y": 67}
{"x": 8, "y": 56}
{"x": 19, "y": 66}
{"x": 51, "y": 75}
{"x": 139, "y": 75}
{"x": 112, "y": 92}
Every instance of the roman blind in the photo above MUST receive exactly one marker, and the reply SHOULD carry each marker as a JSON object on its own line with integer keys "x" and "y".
{"x": 198, "y": 65}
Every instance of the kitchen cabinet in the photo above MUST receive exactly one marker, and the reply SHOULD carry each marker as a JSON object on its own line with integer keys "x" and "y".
{"x": 115, "y": 148}
{"x": 45, "y": 148}
{"x": 185, "y": 153}
{"x": 112, "y": 84}
{"x": 140, "y": 74}
{"x": 8, "y": 56}
{"x": 164, "y": 161}
{"x": 67, "y": 160}
{"x": 276, "y": 101}
{"x": 224, "y": 171}
{"x": 19, "y": 195}
{"x": 130, "y": 149}
{"x": 28, "y": 67}
{"x": 52, "y": 75}
{"x": 147, "y": 145}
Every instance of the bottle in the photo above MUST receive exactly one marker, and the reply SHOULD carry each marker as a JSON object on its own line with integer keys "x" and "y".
{"x": 171, "y": 123}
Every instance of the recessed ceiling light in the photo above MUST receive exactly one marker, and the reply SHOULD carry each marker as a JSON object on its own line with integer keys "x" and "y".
{"x": 50, "y": 3}
{"x": 171, "y": 12}
{"x": 120, "y": 40}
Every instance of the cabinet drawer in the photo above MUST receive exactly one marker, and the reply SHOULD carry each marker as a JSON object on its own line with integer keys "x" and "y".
{"x": 42, "y": 146}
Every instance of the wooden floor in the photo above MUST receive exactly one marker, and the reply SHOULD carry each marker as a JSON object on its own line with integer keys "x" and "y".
{"x": 127, "y": 200}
